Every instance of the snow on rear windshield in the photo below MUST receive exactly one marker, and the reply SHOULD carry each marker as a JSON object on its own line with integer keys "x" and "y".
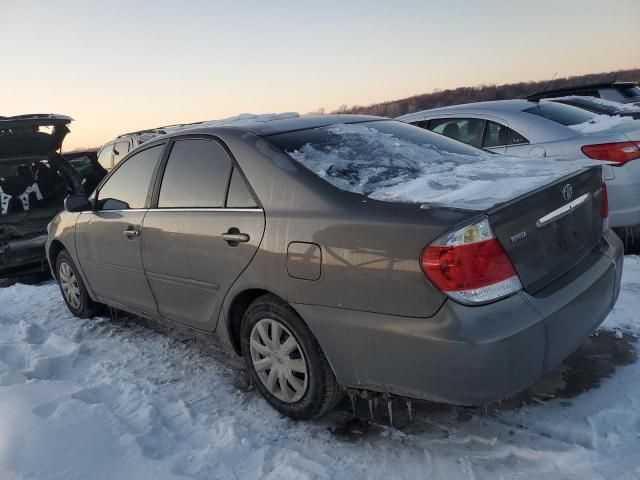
{"x": 601, "y": 123}
{"x": 392, "y": 161}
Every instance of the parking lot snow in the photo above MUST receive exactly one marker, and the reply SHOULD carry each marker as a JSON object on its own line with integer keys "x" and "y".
{"x": 101, "y": 398}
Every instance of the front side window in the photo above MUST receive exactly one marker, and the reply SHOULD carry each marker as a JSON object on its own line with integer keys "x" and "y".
{"x": 128, "y": 186}
{"x": 467, "y": 130}
{"x": 420, "y": 123}
{"x": 106, "y": 157}
{"x": 120, "y": 149}
{"x": 196, "y": 175}
{"x": 560, "y": 113}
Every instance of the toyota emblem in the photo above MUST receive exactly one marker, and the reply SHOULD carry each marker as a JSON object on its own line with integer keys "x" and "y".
{"x": 567, "y": 192}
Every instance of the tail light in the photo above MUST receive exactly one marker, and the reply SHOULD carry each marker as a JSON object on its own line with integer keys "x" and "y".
{"x": 470, "y": 266}
{"x": 621, "y": 152}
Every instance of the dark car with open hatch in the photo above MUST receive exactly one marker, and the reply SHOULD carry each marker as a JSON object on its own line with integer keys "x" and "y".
{"x": 34, "y": 181}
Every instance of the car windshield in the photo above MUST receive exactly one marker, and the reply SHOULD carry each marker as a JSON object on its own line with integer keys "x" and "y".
{"x": 393, "y": 161}
{"x": 560, "y": 113}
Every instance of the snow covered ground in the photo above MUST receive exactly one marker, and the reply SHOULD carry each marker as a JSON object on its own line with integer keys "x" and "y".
{"x": 85, "y": 399}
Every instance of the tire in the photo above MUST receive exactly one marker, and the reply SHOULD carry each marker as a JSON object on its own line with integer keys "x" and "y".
{"x": 73, "y": 290}
{"x": 310, "y": 387}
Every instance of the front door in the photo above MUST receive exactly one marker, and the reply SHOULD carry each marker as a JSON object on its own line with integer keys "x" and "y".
{"x": 108, "y": 239}
{"x": 204, "y": 231}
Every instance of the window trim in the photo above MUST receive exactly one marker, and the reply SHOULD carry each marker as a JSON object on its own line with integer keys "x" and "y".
{"x": 153, "y": 206}
{"x": 96, "y": 195}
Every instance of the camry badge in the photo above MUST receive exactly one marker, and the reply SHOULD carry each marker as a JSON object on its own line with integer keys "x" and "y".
{"x": 518, "y": 236}
{"x": 567, "y": 192}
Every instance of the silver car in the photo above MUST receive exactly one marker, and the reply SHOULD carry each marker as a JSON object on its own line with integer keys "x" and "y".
{"x": 549, "y": 129}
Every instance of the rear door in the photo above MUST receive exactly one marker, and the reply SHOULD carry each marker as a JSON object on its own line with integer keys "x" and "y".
{"x": 204, "y": 230}
{"x": 108, "y": 239}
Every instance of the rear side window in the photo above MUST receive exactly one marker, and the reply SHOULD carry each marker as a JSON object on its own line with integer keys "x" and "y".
{"x": 106, "y": 157}
{"x": 467, "y": 130}
{"x": 239, "y": 195}
{"x": 120, "y": 149}
{"x": 196, "y": 175}
{"x": 129, "y": 185}
{"x": 560, "y": 113}
{"x": 497, "y": 135}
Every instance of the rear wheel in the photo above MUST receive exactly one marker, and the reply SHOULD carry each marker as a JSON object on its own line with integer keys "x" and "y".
{"x": 285, "y": 360}
{"x": 73, "y": 290}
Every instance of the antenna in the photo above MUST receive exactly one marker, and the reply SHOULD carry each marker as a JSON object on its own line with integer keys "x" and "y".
{"x": 537, "y": 97}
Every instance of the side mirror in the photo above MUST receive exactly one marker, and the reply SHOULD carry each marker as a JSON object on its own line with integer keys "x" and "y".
{"x": 77, "y": 203}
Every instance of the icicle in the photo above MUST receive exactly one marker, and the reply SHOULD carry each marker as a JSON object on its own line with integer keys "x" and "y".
{"x": 409, "y": 411}
{"x": 352, "y": 397}
{"x": 390, "y": 408}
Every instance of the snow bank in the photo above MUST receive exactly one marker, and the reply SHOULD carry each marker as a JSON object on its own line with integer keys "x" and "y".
{"x": 95, "y": 399}
{"x": 364, "y": 160}
{"x": 601, "y": 123}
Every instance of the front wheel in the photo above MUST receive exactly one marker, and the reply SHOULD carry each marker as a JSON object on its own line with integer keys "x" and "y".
{"x": 73, "y": 290}
{"x": 285, "y": 360}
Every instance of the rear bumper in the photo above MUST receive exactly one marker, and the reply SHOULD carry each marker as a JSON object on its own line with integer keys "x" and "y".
{"x": 471, "y": 355}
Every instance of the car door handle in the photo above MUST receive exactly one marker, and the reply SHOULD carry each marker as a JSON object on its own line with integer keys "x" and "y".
{"x": 236, "y": 237}
{"x": 131, "y": 233}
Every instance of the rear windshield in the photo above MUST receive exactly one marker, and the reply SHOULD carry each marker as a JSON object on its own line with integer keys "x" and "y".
{"x": 597, "y": 105}
{"x": 560, "y": 113}
{"x": 631, "y": 92}
{"x": 393, "y": 161}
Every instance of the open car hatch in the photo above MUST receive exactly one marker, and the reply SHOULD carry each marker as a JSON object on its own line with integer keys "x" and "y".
{"x": 32, "y": 134}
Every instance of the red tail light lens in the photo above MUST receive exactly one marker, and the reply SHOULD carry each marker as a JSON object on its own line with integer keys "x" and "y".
{"x": 470, "y": 265}
{"x": 621, "y": 152}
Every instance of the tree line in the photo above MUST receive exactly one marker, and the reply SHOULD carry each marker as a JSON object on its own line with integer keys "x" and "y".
{"x": 481, "y": 93}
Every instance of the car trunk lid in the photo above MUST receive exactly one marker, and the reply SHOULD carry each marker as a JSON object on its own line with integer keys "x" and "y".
{"x": 550, "y": 230}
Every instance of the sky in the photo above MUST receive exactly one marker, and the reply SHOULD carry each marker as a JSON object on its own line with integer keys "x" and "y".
{"x": 117, "y": 66}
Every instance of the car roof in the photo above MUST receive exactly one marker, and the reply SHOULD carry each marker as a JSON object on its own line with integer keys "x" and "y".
{"x": 493, "y": 106}
{"x": 583, "y": 86}
{"x": 276, "y": 126}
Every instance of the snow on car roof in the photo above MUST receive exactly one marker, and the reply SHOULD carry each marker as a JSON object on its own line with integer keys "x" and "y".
{"x": 362, "y": 159}
{"x": 601, "y": 123}
{"x": 236, "y": 120}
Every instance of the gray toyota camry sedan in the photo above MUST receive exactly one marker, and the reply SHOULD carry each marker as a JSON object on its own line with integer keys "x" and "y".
{"x": 340, "y": 251}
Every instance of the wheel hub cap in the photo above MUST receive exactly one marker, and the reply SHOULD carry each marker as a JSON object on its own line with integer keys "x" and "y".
{"x": 69, "y": 285}
{"x": 278, "y": 360}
